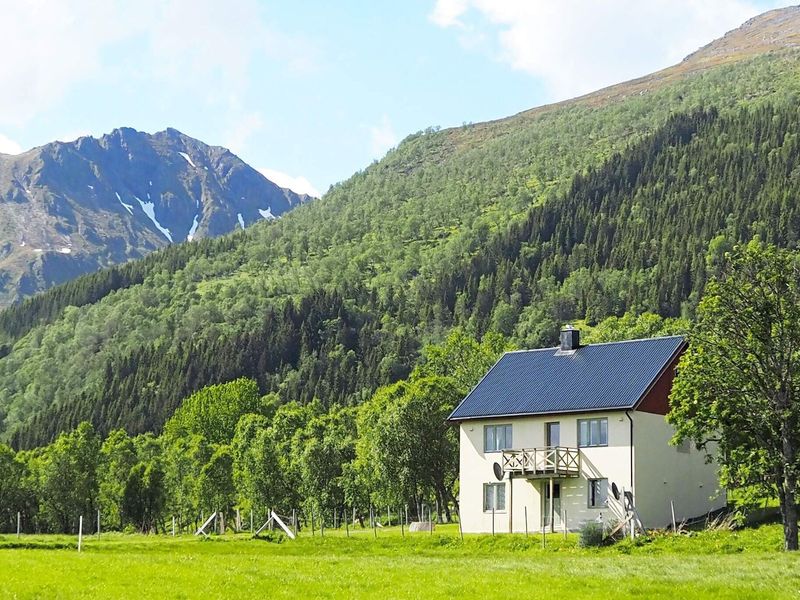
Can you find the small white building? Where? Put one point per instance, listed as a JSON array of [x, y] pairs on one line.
[[576, 424]]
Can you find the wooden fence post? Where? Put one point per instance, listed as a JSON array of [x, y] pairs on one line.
[[80, 532], [526, 521], [672, 509]]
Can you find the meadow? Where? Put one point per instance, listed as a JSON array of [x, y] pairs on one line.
[[712, 564]]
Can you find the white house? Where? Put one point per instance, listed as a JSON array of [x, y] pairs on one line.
[[577, 424]]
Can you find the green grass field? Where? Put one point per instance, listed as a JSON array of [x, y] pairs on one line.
[[743, 564]]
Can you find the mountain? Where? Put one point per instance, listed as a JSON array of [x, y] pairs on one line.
[[617, 202], [72, 208]]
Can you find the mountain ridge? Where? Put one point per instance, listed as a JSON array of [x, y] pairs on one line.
[[68, 208]]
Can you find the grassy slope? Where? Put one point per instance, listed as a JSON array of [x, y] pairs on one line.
[[421, 208], [746, 564]]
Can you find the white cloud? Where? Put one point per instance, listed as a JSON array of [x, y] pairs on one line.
[[242, 128], [180, 48], [300, 184], [382, 137], [447, 13], [578, 46], [9, 146]]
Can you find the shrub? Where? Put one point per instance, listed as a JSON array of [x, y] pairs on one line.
[[590, 535]]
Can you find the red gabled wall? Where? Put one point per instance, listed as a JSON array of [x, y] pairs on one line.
[[656, 401]]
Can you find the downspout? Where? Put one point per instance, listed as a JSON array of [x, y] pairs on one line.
[[628, 414]]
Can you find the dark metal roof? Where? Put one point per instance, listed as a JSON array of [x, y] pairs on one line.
[[608, 376]]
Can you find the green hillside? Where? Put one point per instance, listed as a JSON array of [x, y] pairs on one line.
[[576, 211]]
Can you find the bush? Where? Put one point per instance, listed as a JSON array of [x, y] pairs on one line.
[[590, 535]]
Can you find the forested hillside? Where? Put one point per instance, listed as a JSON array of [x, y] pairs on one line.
[[580, 211]]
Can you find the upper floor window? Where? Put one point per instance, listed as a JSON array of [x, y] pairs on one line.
[[496, 438], [553, 433], [592, 432]]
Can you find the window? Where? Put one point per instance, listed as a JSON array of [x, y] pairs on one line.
[[494, 496], [553, 433], [496, 438], [598, 493], [592, 432]]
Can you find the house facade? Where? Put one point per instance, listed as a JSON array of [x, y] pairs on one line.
[[548, 436]]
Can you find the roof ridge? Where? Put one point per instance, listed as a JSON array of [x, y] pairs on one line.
[[652, 339]]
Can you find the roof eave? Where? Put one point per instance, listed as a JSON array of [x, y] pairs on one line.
[[451, 419]]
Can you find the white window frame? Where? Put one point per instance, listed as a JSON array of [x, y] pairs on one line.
[[602, 488], [494, 488], [602, 424], [495, 446]]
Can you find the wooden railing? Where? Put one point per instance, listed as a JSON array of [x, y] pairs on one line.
[[559, 461]]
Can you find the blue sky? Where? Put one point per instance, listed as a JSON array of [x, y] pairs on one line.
[[311, 91]]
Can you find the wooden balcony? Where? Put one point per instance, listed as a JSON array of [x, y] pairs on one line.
[[552, 461]]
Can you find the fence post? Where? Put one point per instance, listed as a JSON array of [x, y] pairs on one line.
[[98, 522], [402, 527], [19, 519], [312, 522], [173, 525], [346, 526], [526, 521], [80, 532], [672, 508]]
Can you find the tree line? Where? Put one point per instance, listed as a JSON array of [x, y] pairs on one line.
[[229, 447]]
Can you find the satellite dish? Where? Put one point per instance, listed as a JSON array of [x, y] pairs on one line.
[[615, 490], [498, 471]]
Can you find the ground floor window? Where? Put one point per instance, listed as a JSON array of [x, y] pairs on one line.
[[598, 493], [494, 496]]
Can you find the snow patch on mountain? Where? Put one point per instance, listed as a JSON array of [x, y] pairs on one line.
[[267, 214], [150, 210], [193, 230], [241, 220], [188, 159], [129, 207]]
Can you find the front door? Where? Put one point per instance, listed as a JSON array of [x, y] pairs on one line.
[[547, 508], [553, 434]]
